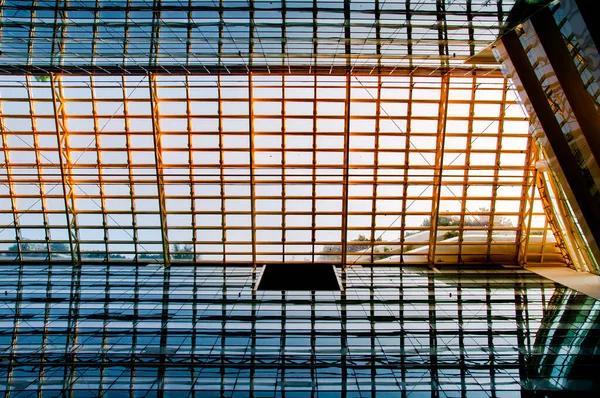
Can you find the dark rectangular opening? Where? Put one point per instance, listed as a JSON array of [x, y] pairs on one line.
[[299, 277]]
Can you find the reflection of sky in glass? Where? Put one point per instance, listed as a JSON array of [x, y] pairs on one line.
[[452, 332], [235, 34], [298, 157]]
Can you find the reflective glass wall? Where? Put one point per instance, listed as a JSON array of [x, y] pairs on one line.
[[202, 331]]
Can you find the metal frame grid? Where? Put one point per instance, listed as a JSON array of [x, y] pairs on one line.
[[391, 330], [227, 36], [268, 168]]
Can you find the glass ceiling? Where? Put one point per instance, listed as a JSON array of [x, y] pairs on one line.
[[167, 36], [254, 132], [269, 168]]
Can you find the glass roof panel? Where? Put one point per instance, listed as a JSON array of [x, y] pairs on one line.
[[268, 168]]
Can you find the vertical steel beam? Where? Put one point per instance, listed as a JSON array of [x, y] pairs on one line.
[[575, 180], [66, 168], [562, 64], [438, 167]]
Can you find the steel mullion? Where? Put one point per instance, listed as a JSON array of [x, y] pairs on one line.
[[438, 168]]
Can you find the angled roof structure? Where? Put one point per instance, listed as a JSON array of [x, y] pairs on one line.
[[158, 158]]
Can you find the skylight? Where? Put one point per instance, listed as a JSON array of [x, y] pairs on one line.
[[268, 169]]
